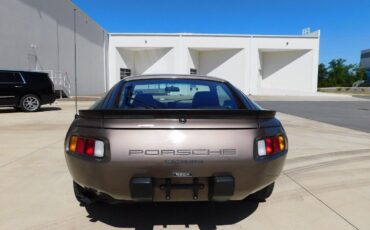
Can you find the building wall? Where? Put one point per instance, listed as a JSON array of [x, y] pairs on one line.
[[290, 70], [39, 35], [255, 64], [221, 63]]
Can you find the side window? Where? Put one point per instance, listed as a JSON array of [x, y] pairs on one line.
[[6, 77]]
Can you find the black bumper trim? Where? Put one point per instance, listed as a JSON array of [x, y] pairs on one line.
[[220, 188], [141, 188]]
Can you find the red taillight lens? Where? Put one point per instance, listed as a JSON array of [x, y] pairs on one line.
[[269, 147], [80, 148], [90, 146], [275, 143]]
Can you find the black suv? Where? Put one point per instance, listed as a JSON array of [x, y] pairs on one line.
[[25, 90]]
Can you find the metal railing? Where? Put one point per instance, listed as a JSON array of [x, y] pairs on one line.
[[61, 82]]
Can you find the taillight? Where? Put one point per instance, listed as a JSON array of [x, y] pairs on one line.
[[90, 147], [281, 142], [80, 148], [73, 143], [271, 145], [86, 146], [269, 148]]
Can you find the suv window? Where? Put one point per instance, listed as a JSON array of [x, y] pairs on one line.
[[18, 78], [6, 77], [10, 77]]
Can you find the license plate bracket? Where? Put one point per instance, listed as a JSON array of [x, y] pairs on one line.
[[196, 186]]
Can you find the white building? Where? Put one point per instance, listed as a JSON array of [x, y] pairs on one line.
[[60, 39], [257, 64]]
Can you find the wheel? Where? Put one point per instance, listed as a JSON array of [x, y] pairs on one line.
[[82, 195], [262, 194], [30, 103]]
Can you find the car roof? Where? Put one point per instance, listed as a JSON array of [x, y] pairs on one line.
[[173, 76], [22, 71]]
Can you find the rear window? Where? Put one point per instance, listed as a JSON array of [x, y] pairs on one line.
[[175, 94]]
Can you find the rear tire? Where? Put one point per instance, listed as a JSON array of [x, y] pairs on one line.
[[262, 194], [30, 103], [82, 195]]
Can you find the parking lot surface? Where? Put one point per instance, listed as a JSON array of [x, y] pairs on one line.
[[325, 183], [345, 111]]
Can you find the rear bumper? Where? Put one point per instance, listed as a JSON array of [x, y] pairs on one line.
[[48, 99], [228, 180]]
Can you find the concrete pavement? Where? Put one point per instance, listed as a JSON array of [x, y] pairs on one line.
[[325, 183]]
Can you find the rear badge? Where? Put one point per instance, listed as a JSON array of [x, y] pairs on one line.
[[181, 174]]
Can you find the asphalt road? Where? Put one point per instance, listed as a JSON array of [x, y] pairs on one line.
[[349, 114]]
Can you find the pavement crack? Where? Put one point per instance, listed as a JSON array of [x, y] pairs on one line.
[[319, 165], [321, 201], [326, 155]]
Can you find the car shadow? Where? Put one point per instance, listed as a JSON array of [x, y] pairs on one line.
[[144, 216], [42, 109]]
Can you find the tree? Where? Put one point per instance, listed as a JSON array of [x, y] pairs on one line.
[[360, 74], [339, 74], [323, 71]]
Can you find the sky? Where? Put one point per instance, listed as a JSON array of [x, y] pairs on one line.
[[344, 25]]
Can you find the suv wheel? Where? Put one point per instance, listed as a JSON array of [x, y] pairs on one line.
[[262, 194], [30, 103]]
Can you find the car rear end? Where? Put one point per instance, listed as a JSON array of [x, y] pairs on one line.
[[175, 154]]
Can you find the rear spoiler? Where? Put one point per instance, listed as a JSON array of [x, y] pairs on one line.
[[176, 113]]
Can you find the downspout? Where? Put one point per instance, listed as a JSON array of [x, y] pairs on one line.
[[104, 64], [250, 66]]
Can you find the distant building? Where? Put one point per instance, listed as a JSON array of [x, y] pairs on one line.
[[365, 62], [257, 64], [40, 35]]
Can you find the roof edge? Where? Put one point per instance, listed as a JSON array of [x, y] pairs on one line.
[[173, 76], [312, 35], [79, 10]]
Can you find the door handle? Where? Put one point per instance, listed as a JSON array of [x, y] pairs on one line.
[[18, 86]]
